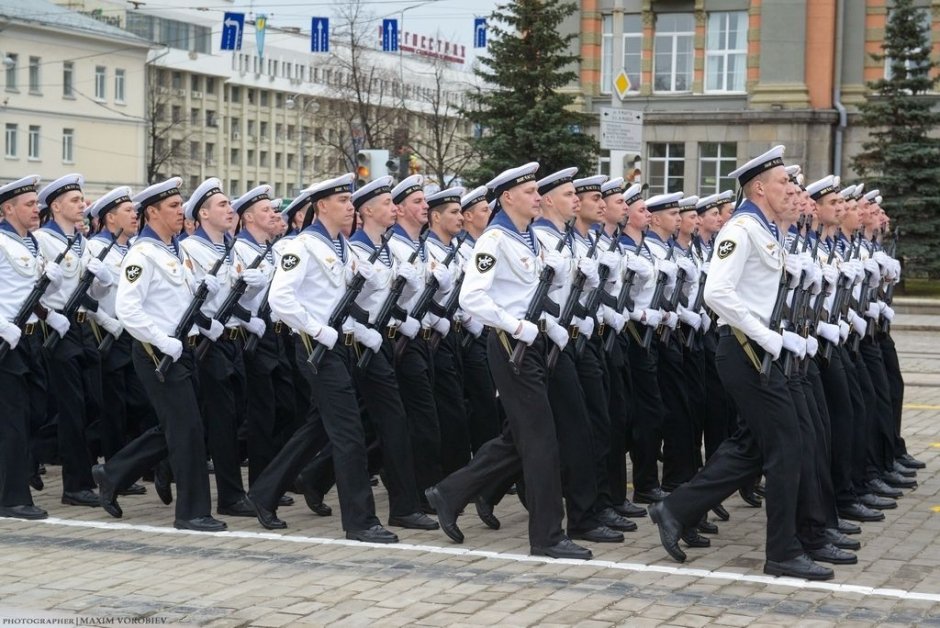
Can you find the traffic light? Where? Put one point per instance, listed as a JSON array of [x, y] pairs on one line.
[[370, 165], [391, 166]]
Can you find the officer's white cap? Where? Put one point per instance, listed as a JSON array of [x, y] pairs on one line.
[[663, 201], [492, 205], [555, 180], [60, 186], [763, 163], [469, 200], [20, 186], [589, 184], [252, 196], [378, 187], [276, 203], [450, 195], [300, 202], [339, 185], [613, 186], [207, 189], [878, 199], [109, 201], [871, 195], [827, 185], [509, 179], [688, 203], [407, 187], [633, 194], [709, 202], [157, 192], [859, 188]]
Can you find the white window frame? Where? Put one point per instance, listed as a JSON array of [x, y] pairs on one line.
[[35, 75], [120, 85], [34, 142], [68, 79], [717, 161], [101, 82], [68, 146], [674, 36], [666, 161], [723, 55], [10, 133], [11, 71], [607, 54]]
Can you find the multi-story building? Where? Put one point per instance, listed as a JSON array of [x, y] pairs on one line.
[[71, 97], [719, 81]]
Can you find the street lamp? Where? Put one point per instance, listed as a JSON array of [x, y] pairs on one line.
[[308, 105]]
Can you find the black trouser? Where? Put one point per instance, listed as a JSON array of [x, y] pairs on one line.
[[810, 510], [15, 412], [451, 410], [863, 406], [769, 435], [816, 398], [884, 424], [693, 368], [621, 420], [530, 440], [126, 400], [595, 382], [480, 393], [889, 357], [415, 375], [648, 422], [842, 424], [720, 416], [179, 435], [679, 444], [334, 418]]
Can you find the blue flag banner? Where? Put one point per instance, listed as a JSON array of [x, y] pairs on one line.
[[390, 35], [232, 26], [261, 25], [479, 32], [320, 34]]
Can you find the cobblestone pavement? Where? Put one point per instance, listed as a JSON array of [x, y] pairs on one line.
[[81, 566]]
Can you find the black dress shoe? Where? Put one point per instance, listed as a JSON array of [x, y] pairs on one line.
[[414, 521], [106, 497], [800, 567], [84, 497], [133, 489], [564, 548], [878, 487], [241, 508], [721, 512], [286, 500], [897, 480], [860, 512], [693, 539], [750, 497], [36, 482], [849, 528], [27, 511], [266, 518], [901, 470], [485, 513], [911, 462], [315, 503], [612, 520], [600, 534], [446, 513], [829, 553], [41, 468], [427, 508], [375, 534], [629, 509], [669, 530], [873, 502], [161, 481], [706, 527], [841, 541], [200, 524], [650, 497], [760, 490]]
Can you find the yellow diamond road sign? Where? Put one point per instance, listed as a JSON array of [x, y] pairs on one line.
[[622, 84]]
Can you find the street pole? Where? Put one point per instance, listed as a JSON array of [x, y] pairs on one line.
[[616, 65]]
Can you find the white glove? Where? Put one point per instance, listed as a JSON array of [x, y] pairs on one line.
[[111, 325], [639, 266], [795, 344], [588, 266], [859, 271], [212, 283], [326, 336], [445, 280], [368, 337], [873, 311], [895, 271], [473, 326], [668, 268], [11, 333], [171, 347], [255, 326], [706, 322], [828, 331], [812, 280], [558, 262], [101, 272], [794, 266], [691, 270], [849, 270], [887, 312], [615, 320], [858, 323], [215, 330], [882, 258], [441, 326], [652, 318], [412, 276], [705, 267], [872, 272], [670, 320], [410, 327], [527, 332], [812, 346], [54, 273], [556, 333], [254, 278], [58, 322], [831, 275], [843, 330], [610, 259], [690, 318], [774, 344], [585, 326]]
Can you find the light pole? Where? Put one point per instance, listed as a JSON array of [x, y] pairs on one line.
[[308, 105]]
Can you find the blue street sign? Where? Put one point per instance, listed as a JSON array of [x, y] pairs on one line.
[[320, 34], [390, 35], [479, 32], [232, 26]]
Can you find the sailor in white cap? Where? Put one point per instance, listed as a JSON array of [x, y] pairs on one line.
[[499, 284], [154, 291], [312, 278], [747, 266], [21, 364], [74, 366]]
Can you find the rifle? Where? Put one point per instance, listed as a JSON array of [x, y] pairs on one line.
[[346, 303], [450, 308], [264, 313], [889, 291], [572, 304], [656, 302], [699, 296], [797, 298], [32, 299], [192, 313], [231, 306], [864, 298], [390, 305], [540, 301], [624, 302], [776, 315], [805, 316], [79, 296], [598, 295], [665, 332]]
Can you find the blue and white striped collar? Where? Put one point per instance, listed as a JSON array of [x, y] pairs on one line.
[[339, 244], [399, 233], [147, 233], [29, 241], [749, 208], [361, 239], [502, 222]]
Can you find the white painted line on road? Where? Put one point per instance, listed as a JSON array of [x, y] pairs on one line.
[[795, 583]]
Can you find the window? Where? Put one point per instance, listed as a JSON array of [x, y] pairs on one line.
[[210, 85], [33, 141], [666, 163], [233, 187], [194, 150], [726, 51], [234, 158], [250, 159], [672, 53], [263, 159], [177, 113], [235, 94], [632, 47], [34, 85], [100, 78], [210, 154], [278, 160], [251, 96], [176, 80], [279, 131], [194, 82], [250, 129], [119, 85], [235, 127], [264, 98], [264, 129], [176, 148], [194, 116], [715, 163], [11, 71], [68, 73], [10, 140], [68, 145]]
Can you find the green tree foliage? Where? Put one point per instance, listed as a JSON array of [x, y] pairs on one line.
[[523, 114], [901, 158]]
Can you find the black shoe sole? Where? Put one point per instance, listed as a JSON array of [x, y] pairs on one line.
[[74, 502], [398, 523], [537, 551], [675, 552], [774, 571]]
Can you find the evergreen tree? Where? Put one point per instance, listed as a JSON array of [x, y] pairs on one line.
[[522, 112], [900, 158]]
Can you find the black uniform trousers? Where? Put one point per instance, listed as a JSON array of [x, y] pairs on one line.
[[648, 417], [482, 409], [884, 425], [693, 368], [179, 435], [333, 417], [843, 424], [816, 398], [16, 400], [449, 401], [620, 407], [863, 406], [529, 439], [889, 356], [810, 511], [766, 441], [679, 442], [415, 374], [720, 415], [127, 409], [595, 382]]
